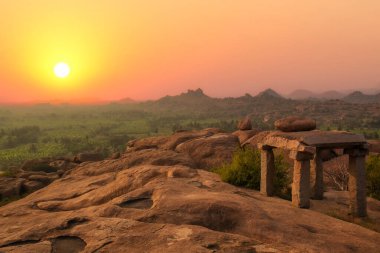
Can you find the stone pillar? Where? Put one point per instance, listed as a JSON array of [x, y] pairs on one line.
[[357, 182], [316, 176], [267, 171], [301, 179]]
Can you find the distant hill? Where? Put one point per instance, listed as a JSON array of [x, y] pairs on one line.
[[190, 100], [266, 107], [196, 102], [306, 94], [302, 94], [331, 94], [268, 93], [186, 97], [358, 97], [125, 101]]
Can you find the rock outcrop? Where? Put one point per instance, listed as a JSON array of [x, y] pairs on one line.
[[154, 198], [203, 149], [88, 157], [245, 124], [120, 205], [206, 148], [32, 176], [245, 135], [210, 152]]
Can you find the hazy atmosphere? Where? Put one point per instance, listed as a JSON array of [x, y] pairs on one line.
[[148, 49], [207, 126]]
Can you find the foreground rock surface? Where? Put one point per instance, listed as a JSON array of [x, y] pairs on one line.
[[156, 200]]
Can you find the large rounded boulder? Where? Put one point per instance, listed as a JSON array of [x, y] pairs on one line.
[[245, 124], [295, 124]]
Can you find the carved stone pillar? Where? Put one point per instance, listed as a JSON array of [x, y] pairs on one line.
[[357, 182], [316, 176], [267, 171], [301, 179]]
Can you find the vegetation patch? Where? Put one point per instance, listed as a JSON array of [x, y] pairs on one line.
[[245, 169], [373, 176]]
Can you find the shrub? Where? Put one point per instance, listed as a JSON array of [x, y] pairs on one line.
[[245, 169], [373, 176]]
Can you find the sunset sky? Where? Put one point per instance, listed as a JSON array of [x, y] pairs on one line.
[[148, 49]]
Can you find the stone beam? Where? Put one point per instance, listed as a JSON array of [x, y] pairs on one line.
[[288, 144]]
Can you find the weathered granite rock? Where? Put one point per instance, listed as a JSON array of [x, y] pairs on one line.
[[88, 157], [63, 165], [256, 139], [115, 155], [157, 200], [295, 124], [32, 186], [45, 179], [152, 208], [245, 124], [209, 152], [170, 142], [10, 187], [206, 148], [38, 173], [41, 164], [130, 159], [245, 135]]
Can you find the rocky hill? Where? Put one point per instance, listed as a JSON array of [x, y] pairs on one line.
[[306, 94], [269, 105], [358, 97], [159, 197]]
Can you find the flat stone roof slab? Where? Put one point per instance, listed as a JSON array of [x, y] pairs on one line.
[[304, 141]]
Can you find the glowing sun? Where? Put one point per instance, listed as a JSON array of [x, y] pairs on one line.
[[61, 70]]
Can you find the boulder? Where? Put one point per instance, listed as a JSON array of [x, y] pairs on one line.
[[295, 124], [10, 187], [146, 143], [88, 157], [115, 155], [42, 164], [63, 165], [245, 124], [256, 139], [32, 186], [245, 135]]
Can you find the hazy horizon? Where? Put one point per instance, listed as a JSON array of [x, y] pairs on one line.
[[146, 51]]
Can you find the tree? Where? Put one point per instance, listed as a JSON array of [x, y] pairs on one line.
[[337, 172]]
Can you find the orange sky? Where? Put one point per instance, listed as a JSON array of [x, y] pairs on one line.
[[147, 49]]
